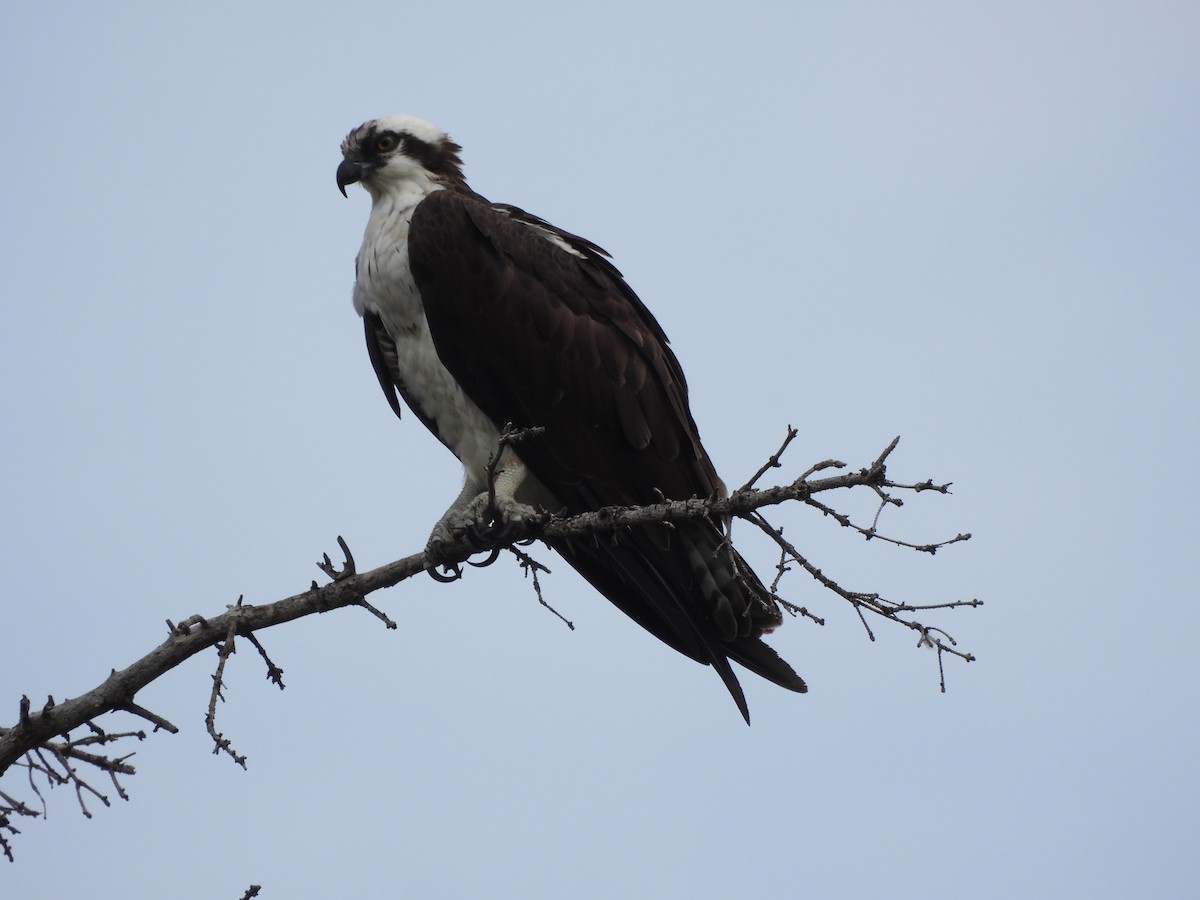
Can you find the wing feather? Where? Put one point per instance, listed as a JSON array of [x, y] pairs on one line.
[[382, 350]]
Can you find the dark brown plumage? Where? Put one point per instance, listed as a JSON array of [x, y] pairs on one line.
[[538, 336], [537, 328]]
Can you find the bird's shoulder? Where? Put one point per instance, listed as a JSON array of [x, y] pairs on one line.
[[464, 231], [457, 214]]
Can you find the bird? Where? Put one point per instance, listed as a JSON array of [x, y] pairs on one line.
[[483, 317]]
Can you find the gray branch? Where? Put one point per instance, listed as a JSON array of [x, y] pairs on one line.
[[39, 732]]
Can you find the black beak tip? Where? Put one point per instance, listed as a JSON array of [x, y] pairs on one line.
[[348, 172]]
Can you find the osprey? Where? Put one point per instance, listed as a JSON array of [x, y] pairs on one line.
[[480, 315]]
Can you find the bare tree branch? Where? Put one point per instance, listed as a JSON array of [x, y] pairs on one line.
[[40, 740]]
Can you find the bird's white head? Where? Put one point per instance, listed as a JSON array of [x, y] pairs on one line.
[[397, 154]]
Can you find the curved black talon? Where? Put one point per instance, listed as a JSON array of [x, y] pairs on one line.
[[491, 558], [435, 556], [454, 571]]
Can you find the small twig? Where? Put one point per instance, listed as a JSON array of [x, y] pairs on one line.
[[274, 673], [773, 462], [926, 485], [819, 467], [117, 785], [11, 806], [348, 569], [795, 610], [29, 767], [222, 743], [872, 533], [532, 567], [885, 500], [17, 806], [378, 613], [113, 766], [781, 569], [785, 545], [878, 465], [153, 718], [80, 787]]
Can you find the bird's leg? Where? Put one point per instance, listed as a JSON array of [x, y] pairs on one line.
[[484, 516], [505, 484], [496, 513], [453, 524]]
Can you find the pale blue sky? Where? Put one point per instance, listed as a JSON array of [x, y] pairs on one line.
[[974, 226]]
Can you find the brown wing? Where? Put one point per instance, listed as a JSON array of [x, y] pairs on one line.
[[539, 336]]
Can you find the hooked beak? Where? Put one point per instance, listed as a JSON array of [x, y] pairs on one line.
[[348, 172]]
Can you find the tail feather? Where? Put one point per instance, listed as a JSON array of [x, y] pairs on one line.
[[761, 659], [695, 593]]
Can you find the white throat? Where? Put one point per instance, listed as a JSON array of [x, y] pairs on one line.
[[385, 286]]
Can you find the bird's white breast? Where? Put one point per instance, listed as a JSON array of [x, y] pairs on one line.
[[384, 285]]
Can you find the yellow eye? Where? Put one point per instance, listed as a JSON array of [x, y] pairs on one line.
[[385, 143]]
